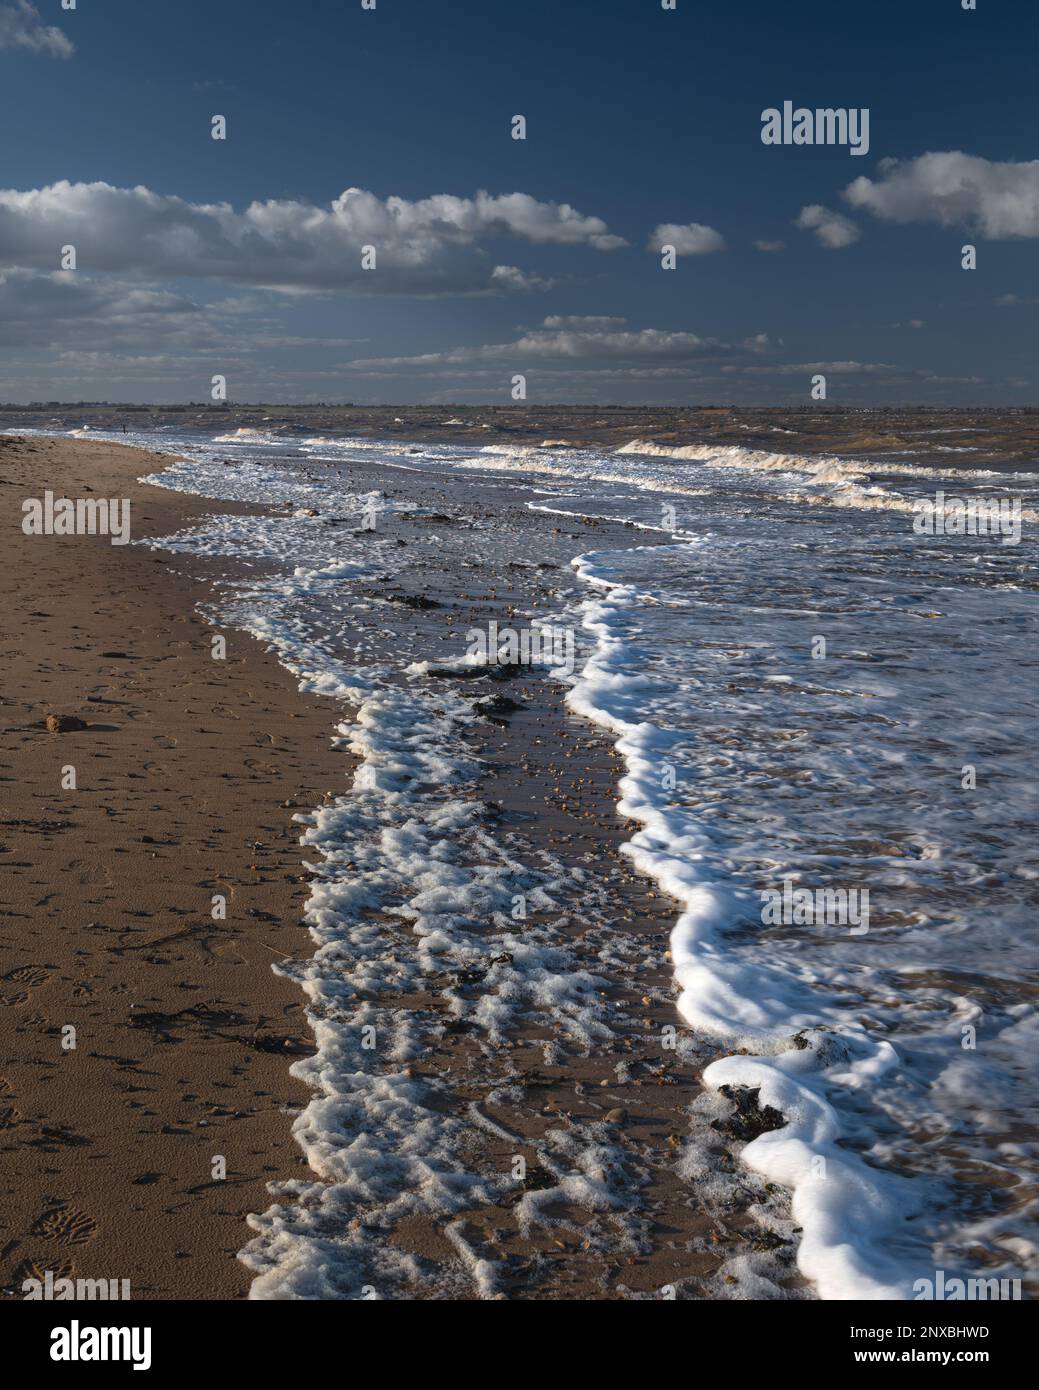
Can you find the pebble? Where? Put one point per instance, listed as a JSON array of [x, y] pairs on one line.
[[64, 723]]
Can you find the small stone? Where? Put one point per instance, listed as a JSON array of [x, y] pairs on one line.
[[616, 1117], [64, 723]]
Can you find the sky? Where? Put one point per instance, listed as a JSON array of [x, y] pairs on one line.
[[140, 257]]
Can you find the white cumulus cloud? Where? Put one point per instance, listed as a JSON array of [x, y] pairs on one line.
[[832, 229], [688, 239], [998, 200], [22, 26]]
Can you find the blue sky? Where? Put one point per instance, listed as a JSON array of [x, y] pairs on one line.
[[241, 257]]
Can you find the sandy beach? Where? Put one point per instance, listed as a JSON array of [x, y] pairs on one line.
[[185, 772]]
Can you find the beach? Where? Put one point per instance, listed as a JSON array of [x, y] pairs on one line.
[[413, 943], [188, 774]]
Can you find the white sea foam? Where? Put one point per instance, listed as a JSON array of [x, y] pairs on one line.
[[824, 469], [247, 434], [411, 889]]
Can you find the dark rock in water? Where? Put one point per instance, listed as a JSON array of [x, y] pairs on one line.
[[495, 706], [539, 1179], [418, 601], [459, 673], [765, 1241], [456, 1026], [829, 1049], [64, 723], [500, 672], [750, 1118]]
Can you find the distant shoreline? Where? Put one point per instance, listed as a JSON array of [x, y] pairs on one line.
[[1000, 438]]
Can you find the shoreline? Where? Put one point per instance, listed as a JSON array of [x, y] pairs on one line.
[[201, 1060]]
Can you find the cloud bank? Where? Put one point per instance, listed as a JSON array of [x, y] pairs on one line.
[[430, 246], [570, 338]]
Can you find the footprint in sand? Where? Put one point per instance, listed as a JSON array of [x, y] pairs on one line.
[[90, 872], [25, 978], [10, 1118], [37, 1269], [30, 975], [65, 1222]]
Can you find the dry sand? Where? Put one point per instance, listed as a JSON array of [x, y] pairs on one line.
[[182, 1028]]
